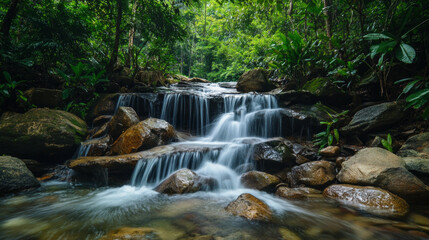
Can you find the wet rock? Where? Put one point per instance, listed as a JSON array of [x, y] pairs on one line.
[[260, 181], [98, 146], [296, 193], [42, 134], [316, 174], [364, 167], [249, 207], [273, 154], [44, 97], [328, 92], [375, 117], [144, 135], [255, 80], [370, 199], [330, 151], [101, 120], [293, 96], [128, 233], [150, 78], [182, 181], [105, 105], [339, 162], [124, 118], [402, 183], [288, 234], [15, 176], [415, 153]]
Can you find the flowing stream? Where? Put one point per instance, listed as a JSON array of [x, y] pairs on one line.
[[219, 118]]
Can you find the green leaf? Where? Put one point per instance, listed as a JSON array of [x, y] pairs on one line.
[[417, 95], [389, 139], [337, 135], [405, 53], [330, 139], [387, 46], [66, 93], [376, 36], [7, 76], [403, 80], [410, 86]]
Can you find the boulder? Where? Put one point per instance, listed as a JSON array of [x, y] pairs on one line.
[[326, 91], [41, 134], [366, 165], [296, 193], [260, 181], [249, 207], [98, 146], [182, 181], [255, 80], [296, 97], [104, 105], [150, 78], [124, 118], [101, 120], [273, 154], [144, 135], [15, 176], [377, 117], [415, 153], [44, 97], [330, 151], [129, 233], [370, 199], [315, 174]]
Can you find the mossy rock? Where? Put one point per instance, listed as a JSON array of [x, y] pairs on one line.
[[42, 134], [15, 176], [328, 93]]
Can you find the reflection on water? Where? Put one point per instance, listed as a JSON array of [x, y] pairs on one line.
[[60, 211]]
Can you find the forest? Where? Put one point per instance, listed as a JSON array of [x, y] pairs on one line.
[[214, 119]]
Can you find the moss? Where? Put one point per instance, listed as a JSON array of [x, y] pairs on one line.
[[315, 85]]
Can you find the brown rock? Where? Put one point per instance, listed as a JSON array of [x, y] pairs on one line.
[[255, 80], [150, 78], [330, 151], [260, 181], [250, 207], [296, 193], [105, 105], [136, 138], [182, 181], [101, 131], [316, 174], [124, 118], [128, 233], [162, 129], [101, 120], [370, 199], [98, 146], [44, 97]]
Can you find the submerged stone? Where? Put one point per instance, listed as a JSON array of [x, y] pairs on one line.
[[129, 233], [296, 193]]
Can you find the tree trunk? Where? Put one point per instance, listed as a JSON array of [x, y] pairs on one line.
[[8, 18], [131, 36], [327, 12], [115, 49]]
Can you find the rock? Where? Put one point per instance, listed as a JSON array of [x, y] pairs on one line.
[[182, 181], [124, 118], [104, 105], [370, 199], [288, 234], [255, 80], [328, 92], [402, 183], [144, 135], [273, 154], [296, 97], [150, 78], [316, 174], [101, 120], [15, 176], [44, 97], [296, 193], [98, 146], [364, 167], [377, 117], [415, 153], [201, 80], [330, 151], [128, 233], [260, 181], [42, 134], [101, 131], [249, 207]]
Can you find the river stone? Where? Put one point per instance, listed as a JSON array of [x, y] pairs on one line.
[[375, 117], [162, 129], [182, 181], [44, 97], [101, 120], [15, 176], [330, 151], [315, 174], [366, 165], [273, 154], [296, 193], [42, 134], [370, 199], [255, 80], [134, 139], [99, 146], [124, 118], [250, 207], [104, 105], [415, 153], [260, 181], [129, 233]]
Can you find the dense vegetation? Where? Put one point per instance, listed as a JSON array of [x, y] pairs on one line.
[[78, 45]]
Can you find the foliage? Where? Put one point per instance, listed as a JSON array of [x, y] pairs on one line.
[[327, 137], [387, 143], [9, 90], [417, 90]]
